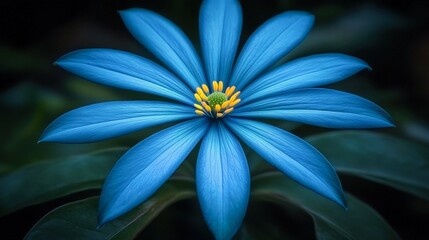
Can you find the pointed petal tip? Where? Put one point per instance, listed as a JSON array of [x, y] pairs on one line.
[[352, 60], [128, 10], [102, 219], [369, 68], [388, 121], [124, 12], [57, 63], [100, 224], [64, 58], [365, 65], [42, 138], [343, 202], [339, 199]]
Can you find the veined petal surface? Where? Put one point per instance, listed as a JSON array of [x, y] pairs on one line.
[[311, 71], [291, 155], [321, 107], [125, 70], [167, 42], [111, 119], [146, 166], [220, 28], [270, 42], [223, 181]]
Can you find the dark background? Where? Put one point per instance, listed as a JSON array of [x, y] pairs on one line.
[[392, 36]]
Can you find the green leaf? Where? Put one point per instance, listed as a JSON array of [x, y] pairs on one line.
[[48, 180], [332, 222], [78, 220], [378, 157]]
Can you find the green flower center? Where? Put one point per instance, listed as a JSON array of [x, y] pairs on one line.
[[216, 98]]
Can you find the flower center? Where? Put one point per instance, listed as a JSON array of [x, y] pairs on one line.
[[215, 103], [216, 98]]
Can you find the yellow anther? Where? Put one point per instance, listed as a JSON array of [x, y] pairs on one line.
[[205, 88], [217, 108], [202, 94], [220, 86], [221, 102], [199, 112], [225, 104], [207, 107], [230, 91], [236, 94], [232, 99], [197, 97], [215, 86], [198, 106], [234, 103], [228, 110]]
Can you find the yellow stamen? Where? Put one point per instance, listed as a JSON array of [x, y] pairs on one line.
[[221, 102], [228, 110], [198, 106], [199, 112], [197, 97], [220, 87], [232, 99], [230, 91], [225, 104], [236, 94], [205, 88], [202, 94], [207, 107], [234, 103], [217, 108], [215, 86]]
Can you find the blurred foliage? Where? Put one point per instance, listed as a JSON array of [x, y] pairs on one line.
[[391, 36]]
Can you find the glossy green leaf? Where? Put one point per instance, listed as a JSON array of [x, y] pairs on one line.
[[48, 180], [78, 220], [332, 222], [378, 157]]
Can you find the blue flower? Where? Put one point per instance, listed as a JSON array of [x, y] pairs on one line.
[[215, 100]]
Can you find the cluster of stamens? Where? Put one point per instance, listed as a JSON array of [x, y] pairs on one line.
[[217, 103]]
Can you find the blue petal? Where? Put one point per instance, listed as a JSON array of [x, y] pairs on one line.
[[220, 28], [270, 42], [111, 119], [167, 42], [320, 107], [291, 155], [125, 70], [146, 166], [305, 72], [223, 181]]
